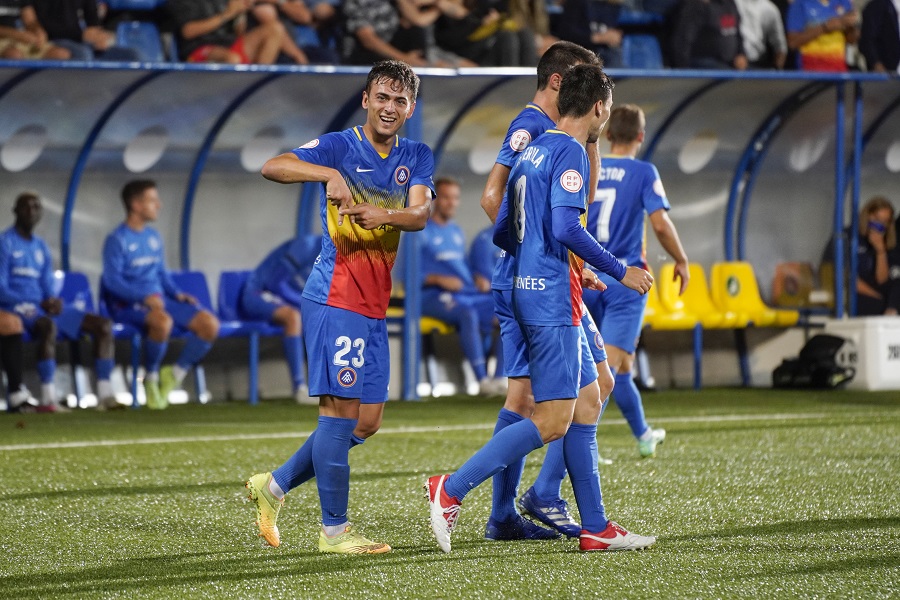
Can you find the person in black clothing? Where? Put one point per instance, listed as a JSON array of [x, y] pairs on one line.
[[879, 40], [75, 25], [592, 24], [707, 35]]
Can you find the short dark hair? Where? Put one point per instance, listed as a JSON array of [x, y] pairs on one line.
[[559, 58], [135, 189], [25, 197], [626, 122], [398, 73], [444, 180], [582, 87]]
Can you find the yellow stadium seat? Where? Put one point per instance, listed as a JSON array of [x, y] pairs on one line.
[[658, 316], [696, 299], [734, 288]]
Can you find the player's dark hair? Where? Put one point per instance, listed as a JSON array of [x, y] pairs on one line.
[[25, 197], [559, 58], [582, 87], [444, 181], [626, 122], [398, 73], [135, 189]]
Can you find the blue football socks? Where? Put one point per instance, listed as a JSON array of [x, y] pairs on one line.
[[580, 449], [153, 354], [46, 370], [628, 399], [512, 443], [506, 482], [330, 460], [553, 471], [194, 350], [293, 352]]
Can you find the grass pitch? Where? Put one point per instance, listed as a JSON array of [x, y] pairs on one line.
[[756, 493]]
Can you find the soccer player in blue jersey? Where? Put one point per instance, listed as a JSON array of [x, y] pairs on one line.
[[628, 189], [374, 185], [449, 292], [483, 257], [543, 500], [27, 291], [139, 291], [546, 204], [272, 293]]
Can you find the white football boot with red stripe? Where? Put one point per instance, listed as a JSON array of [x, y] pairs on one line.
[[614, 537]]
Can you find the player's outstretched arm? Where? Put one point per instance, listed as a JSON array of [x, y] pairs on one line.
[[668, 238], [492, 196], [412, 218], [287, 168]]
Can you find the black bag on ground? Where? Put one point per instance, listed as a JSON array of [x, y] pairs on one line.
[[818, 366]]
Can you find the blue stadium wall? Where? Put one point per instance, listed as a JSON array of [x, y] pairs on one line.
[[761, 167]]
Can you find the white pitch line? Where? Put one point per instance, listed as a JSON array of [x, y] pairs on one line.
[[385, 431]]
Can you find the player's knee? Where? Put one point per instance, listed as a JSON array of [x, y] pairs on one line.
[[206, 326], [367, 427], [159, 324], [12, 53], [289, 319], [10, 324], [233, 58], [607, 382]]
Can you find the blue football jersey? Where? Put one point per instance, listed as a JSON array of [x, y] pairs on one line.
[[291, 263], [134, 265], [527, 126], [354, 267], [627, 189], [552, 172], [483, 254], [444, 252], [26, 270]]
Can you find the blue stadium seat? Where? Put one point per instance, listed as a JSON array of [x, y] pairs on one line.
[[142, 36], [231, 286], [641, 51]]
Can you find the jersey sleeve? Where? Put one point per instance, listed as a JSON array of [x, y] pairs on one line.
[[795, 21], [423, 174], [522, 131], [653, 194], [47, 279], [6, 295], [326, 150], [569, 177]]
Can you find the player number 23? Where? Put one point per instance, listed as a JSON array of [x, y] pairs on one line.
[[345, 345]]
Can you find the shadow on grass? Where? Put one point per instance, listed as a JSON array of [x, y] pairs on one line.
[[198, 568], [783, 528]]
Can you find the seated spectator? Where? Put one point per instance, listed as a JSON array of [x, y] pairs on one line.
[[27, 293], [879, 40], [762, 31], [272, 293], [380, 29], [819, 30], [449, 292], [293, 13], [139, 291], [533, 24], [707, 35], [215, 31], [877, 292], [75, 25], [476, 31], [30, 43], [483, 257], [593, 24]]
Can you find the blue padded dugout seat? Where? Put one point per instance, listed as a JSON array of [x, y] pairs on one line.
[[231, 286], [641, 51]]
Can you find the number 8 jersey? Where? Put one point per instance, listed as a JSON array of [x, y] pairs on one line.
[[551, 172]]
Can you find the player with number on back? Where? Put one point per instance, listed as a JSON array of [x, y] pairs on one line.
[[628, 188], [374, 185], [546, 202]]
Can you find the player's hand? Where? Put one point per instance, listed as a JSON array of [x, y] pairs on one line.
[[590, 281], [154, 302], [482, 284], [337, 192], [450, 283], [740, 62], [182, 297], [52, 306], [682, 272], [637, 279], [364, 214], [876, 240]]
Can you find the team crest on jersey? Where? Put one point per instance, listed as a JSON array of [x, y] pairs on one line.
[[311, 144], [346, 377], [598, 340], [401, 175], [571, 181], [519, 140]]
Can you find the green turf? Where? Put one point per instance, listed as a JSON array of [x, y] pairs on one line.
[[755, 493]]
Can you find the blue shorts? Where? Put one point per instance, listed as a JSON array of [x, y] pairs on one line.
[[68, 322], [595, 340], [619, 311], [556, 354], [182, 313], [515, 355], [451, 307], [347, 353], [259, 305]]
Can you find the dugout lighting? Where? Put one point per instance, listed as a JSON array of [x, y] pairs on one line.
[[807, 151], [264, 145], [145, 149], [698, 151], [892, 158], [23, 148]]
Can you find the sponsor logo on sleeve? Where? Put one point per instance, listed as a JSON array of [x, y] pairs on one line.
[[658, 188]]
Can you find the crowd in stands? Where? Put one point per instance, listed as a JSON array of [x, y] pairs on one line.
[[814, 35]]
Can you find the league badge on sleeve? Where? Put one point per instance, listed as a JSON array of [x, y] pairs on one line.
[[519, 140], [571, 181], [311, 144]]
